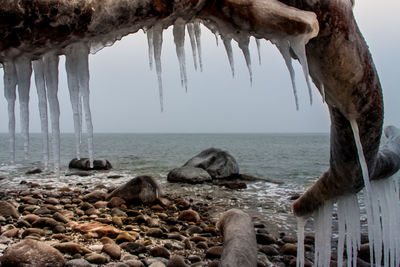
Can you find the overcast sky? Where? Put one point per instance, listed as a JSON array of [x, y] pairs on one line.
[[124, 92]]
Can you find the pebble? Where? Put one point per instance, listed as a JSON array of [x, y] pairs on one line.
[[96, 258], [160, 252], [189, 216]]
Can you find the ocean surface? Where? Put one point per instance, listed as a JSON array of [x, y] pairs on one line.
[[296, 160]]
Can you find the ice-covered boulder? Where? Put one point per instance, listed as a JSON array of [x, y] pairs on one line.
[[142, 189], [188, 174], [218, 163], [84, 164]]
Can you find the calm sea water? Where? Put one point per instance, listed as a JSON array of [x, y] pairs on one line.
[[294, 159]]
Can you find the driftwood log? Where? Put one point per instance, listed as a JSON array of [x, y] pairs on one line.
[[339, 61]]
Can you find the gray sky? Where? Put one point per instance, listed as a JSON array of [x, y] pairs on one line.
[[124, 92]]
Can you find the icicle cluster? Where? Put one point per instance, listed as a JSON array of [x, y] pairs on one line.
[[382, 203], [17, 74]]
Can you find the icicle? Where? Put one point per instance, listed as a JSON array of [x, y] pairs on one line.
[[216, 38], [77, 64], [322, 87], [10, 83], [301, 222], [372, 227], [190, 29], [157, 40], [150, 47], [197, 34], [349, 228], [71, 63], [228, 47], [23, 68], [244, 46], [179, 39], [38, 68], [51, 75], [258, 50], [283, 47], [300, 50], [323, 231]]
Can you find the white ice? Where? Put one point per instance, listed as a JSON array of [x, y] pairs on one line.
[[51, 76], [298, 46], [150, 47], [77, 66], [38, 68], [284, 48], [157, 42], [228, 47], [301, 222], [258, 43], [179, 39], [243, 42], [197, 35], [190, 29], [23, 69], [323, 232], [10, 84], [349, 229]]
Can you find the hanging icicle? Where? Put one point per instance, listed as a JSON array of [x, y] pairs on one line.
[[301, 223], [258, 43], [190, 29], [77, 66], [71, 62], [228, 47], [197, 34], [23, 69], [323, 232], [50, 61], [179, 39], [10, 84], [150, 47], [299, 48], [284, 49], [157, 41], [38, 68], [243, 42]]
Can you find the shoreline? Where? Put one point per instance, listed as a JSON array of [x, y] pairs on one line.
[[156, 229]]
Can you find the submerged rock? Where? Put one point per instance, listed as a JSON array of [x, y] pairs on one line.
[[189, 174], [84, 164], [32, 253], [142, 189], [218, 163]]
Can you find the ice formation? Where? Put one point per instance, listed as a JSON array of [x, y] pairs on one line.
[[190, 29], [228, 47], [150, 46], [10, 83], [179, 39], [323, 232], [243, 42], [301, 223], [258, 43], [38, 69], [157, 44]]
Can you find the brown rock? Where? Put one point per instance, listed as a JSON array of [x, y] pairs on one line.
[[289, 249], [125, 237], [12, 233], [42, 222], [97, 195], [32, 253], [100, 229], [214, 252], [160, 252], [115, 202], [96, 258], [155, 232], [71, 248], [176, 261], [113, 250], [189, 216], [269, 250], [6, 209], [33, 231]]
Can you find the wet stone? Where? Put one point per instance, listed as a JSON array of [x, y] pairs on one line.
[[113, 250], [189, 216], [289, 249], [269, 250], [176, 261], [96, 258], [265, 239], [155, 232], [78, 263], [33, 231], [124, 237], [133, 248], [214, 252]]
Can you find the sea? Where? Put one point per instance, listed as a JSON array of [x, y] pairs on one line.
[[295, 161]]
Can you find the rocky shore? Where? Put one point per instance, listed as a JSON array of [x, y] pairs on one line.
[[45, 226]]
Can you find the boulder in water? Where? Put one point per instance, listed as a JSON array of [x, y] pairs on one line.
[[29, 252], [142, 189], [218, 163], [188, 174], [84, 164]]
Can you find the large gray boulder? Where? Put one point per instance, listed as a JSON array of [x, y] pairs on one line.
[[29, 252], [218, 163], [142, 189], [84, 164], [189, 175]]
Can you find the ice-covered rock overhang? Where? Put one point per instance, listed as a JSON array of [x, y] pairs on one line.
[[321, 34]]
